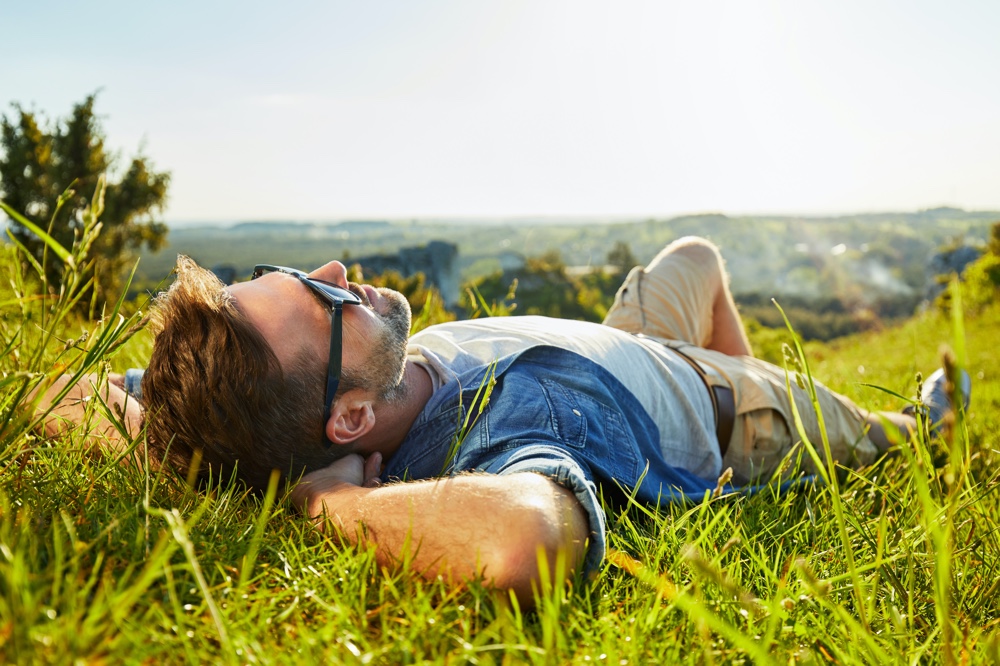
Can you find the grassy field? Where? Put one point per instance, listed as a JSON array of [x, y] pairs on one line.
[[107, 563]]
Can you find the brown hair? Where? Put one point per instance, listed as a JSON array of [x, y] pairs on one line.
[[214, 385]]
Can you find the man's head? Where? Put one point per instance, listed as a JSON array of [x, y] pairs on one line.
[[239, 373]]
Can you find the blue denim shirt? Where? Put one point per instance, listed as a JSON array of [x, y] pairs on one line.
[[556, 413]]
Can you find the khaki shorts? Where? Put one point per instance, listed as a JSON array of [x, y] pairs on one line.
[[671, 299]]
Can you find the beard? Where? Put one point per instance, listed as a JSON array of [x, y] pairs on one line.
[[383, 372]]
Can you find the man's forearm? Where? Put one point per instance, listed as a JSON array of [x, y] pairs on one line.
[[461, 527], [72, 410]]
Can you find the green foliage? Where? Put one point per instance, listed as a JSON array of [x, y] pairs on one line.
[[982, 282], [425, 302], [767, 342], [620, 256], [994, 241], [35, 354], [479, 307], [37, 164], [981, 279], [824, 318], [545, 287]]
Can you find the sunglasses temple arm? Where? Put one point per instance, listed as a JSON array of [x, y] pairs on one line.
[[333, 373]]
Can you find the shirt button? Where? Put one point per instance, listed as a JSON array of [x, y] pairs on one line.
[[577, 412]]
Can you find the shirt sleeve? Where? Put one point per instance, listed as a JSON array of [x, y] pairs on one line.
[[558, 465], [133, 382]]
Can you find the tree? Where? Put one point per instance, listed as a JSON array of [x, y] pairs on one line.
[[994, 242], [37, 164], [620, 256]]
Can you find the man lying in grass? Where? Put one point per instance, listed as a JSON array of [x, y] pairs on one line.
[[307, 373]]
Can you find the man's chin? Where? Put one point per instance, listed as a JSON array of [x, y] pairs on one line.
[[396, 317], [393, 306]]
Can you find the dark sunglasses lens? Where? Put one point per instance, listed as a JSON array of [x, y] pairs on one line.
[[263, 269], [339, 293], [332, 291]]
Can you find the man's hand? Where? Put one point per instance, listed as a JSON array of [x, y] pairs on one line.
[[352, 469], [315, 492], [461, 528]]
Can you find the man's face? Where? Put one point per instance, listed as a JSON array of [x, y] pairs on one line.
[[297, 325]]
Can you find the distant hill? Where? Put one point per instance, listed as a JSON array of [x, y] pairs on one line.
[[863, 256]]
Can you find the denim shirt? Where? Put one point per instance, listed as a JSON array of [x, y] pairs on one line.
[[556, 413]]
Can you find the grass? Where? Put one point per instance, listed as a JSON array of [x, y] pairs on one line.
[[102, 562]]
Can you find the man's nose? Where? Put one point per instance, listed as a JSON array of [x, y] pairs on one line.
[[333, 272]]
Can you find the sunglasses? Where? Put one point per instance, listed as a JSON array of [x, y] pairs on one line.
[[335, 298]]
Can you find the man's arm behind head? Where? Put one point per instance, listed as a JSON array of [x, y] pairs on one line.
[[79, 407]]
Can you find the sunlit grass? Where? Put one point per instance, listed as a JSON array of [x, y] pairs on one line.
[[899, 563]]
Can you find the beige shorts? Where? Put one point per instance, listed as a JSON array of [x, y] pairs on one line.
[[671, 299]]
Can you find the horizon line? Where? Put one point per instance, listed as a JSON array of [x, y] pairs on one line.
[[623, 217]]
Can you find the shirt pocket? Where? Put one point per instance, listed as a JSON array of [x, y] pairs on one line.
[[596, 430]]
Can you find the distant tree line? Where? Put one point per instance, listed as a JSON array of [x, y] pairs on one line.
[[825, 317]]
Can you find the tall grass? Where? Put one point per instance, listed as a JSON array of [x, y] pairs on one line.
[[104, 562], [43, 335]]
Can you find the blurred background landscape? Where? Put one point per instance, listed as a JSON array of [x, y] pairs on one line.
[[845, 274]]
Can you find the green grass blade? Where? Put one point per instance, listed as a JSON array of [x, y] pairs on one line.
[[51, 242]]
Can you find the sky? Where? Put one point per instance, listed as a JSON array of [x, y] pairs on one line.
[[460, 108]]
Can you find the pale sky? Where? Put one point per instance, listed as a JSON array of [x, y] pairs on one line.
[[408, 108]]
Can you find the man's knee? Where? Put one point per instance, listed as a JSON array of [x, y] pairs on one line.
[[697, 249], [700, 252]]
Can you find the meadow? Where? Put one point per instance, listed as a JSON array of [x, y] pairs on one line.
[[107, 562]]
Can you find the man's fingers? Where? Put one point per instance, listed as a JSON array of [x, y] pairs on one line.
[[349, 469], [308, 493], [373, 467]]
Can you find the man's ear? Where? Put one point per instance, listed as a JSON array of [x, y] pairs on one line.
[[352, 417]]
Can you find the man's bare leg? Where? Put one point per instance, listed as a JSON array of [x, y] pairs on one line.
[[728, 334], [900, 428]]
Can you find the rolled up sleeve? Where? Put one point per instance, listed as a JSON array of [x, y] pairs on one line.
[[558, 465]]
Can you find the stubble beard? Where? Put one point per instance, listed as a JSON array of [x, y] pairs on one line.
[[387, 365]]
